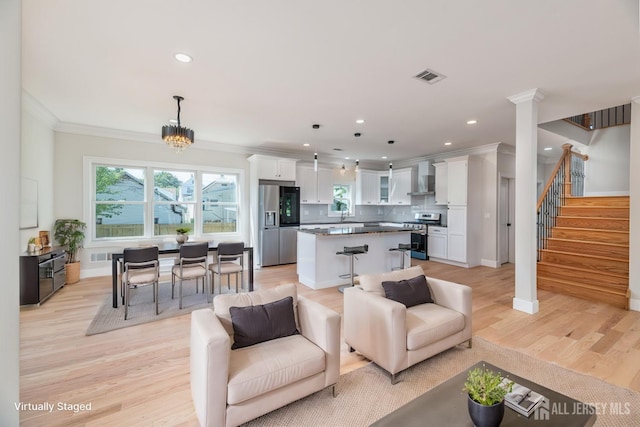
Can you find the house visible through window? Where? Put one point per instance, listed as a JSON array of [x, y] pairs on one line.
[[126, 206]]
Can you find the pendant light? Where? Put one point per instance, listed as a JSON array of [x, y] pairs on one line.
[[390, 170], [315, 162], [357, 168], [343, 170], [177, 137]]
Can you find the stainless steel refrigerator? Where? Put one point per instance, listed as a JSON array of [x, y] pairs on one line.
[[279, 215]]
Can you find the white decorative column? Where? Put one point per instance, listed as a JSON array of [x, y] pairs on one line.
[[634, 208], [526, 298]]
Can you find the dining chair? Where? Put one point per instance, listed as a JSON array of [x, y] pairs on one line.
[[141, 268], [230, 261], [192, 265]]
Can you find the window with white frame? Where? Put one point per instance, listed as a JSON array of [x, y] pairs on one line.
[[149, 201], [342, 200]]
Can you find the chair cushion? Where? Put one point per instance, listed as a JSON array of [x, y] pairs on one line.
[[222, 302], [373, 282], [226, 268], [259, 323], [261, 368], [409, 292], [428, 323], [140, 276], [189, 271]]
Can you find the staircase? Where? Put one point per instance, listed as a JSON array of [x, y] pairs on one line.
[[587, 250]]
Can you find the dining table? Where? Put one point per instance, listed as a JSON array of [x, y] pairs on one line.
[[117, 266]]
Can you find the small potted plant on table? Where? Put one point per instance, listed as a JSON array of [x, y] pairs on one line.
[[70, 234], [181, 235], [486, 390]]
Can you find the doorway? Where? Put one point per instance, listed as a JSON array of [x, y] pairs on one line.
[[506, 226]]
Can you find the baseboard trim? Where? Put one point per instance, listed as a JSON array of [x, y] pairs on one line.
[[489, 263], [530, 307]]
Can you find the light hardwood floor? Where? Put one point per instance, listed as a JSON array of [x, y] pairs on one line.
[[140, 375]]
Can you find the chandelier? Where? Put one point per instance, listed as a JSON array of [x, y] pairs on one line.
[[177, 137]]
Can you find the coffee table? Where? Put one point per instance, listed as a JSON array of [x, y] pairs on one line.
[[446, 405]]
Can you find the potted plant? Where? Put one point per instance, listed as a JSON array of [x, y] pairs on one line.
[[486, 390], [181, 234], [70, 234], [31, 245]]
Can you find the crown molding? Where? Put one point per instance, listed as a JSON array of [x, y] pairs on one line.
[[32, 106], [529, 95]]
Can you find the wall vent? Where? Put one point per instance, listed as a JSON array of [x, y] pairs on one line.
[[100, 256], [430, 76]]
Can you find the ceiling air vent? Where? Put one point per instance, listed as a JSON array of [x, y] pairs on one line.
[[430, 76]]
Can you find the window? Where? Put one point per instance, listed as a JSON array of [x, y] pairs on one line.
[[342, 200], [119, 202], [173, 201], [219, 203], [132, 201]]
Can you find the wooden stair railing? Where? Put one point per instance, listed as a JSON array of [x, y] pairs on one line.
[[608, 117], [566, 179]]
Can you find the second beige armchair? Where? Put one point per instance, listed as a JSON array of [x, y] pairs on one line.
[[396, 337]]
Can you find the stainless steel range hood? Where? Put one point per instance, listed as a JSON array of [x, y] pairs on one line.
[[423, 179]]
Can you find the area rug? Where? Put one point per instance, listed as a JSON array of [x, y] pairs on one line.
[[366, 394], [142, 308]]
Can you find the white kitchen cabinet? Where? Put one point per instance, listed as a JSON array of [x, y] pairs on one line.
[[384, 191], [325, 186], [457, 181], [306, 180], [457, 234], [441, 196], [400, 187], [367, 187], [437, 242], [275, 168], [315, 187]]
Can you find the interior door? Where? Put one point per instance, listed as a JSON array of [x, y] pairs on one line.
[[506, 237]]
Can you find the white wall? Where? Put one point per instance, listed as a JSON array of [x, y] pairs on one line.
[[69, 201], [37, 162], [10, 82], [607, 170]]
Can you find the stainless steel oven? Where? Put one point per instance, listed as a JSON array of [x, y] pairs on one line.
[[419, 233]]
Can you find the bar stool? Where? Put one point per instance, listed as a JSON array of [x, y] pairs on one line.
[[403, 248], [351, 251]]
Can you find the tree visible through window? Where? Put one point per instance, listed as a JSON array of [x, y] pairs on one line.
[[342, 200]]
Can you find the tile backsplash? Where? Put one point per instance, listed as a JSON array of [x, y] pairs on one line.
[[318, 213]]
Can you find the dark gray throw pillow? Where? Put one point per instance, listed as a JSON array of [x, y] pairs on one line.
[[258, 323], [409, 292]]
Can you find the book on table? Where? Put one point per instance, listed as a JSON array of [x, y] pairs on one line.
[[523, 400]]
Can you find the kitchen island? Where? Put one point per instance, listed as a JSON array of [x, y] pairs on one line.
[[319, 267]]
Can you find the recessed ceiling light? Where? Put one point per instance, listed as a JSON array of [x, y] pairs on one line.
[[547, 148], [306, 144], [360, 121], [384, 157], [447, 143], [472, 122], [183, 57], [174, 121], [346, 158]]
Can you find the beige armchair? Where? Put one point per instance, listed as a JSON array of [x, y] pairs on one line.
[[230, 387], [396, 337]]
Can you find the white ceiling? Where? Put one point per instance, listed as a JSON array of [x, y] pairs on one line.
[[265, 71]]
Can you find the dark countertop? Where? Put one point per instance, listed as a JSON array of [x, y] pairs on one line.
[[353, 230]]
